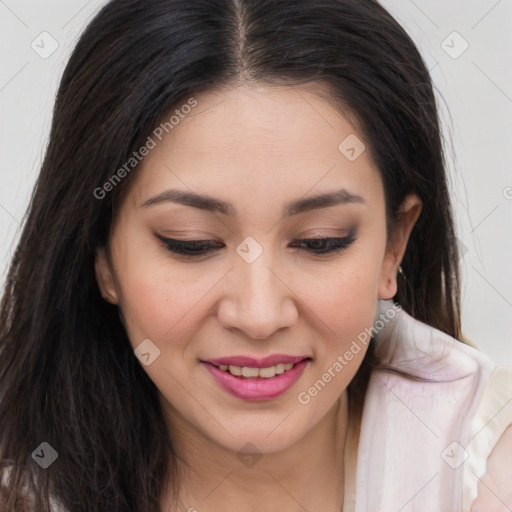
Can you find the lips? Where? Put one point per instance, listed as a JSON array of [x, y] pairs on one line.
[[257, 378]]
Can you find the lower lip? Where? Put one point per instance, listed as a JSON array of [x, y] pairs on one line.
[[257, 388]]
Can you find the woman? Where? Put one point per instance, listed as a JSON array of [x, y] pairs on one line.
[[237, 284]]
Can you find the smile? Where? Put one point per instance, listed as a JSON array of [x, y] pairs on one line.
[[257, 380]]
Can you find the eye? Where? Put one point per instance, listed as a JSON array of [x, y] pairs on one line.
[[317, 246], [327, 245], [189, 247]]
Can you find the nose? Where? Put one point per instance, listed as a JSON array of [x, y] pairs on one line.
[[259, 301]]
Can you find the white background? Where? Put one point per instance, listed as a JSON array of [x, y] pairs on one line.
[[474, 92]]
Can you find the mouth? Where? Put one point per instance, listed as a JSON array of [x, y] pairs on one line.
[[252, 379]]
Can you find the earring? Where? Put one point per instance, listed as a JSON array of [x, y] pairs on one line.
[[400, 270]]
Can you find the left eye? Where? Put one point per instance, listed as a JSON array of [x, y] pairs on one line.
[[330, 244], [201, 247]]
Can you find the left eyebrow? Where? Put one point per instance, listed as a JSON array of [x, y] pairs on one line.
[[207, 203], [342, 196]]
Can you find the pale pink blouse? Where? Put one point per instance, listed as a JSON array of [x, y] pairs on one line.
[[423, 445]]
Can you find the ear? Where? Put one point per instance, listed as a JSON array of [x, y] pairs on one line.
[[408, 215], [105, 276]]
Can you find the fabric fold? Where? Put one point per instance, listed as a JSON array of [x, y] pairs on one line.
[[417, 417]]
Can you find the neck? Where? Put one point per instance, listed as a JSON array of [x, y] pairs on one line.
[[308, 475]]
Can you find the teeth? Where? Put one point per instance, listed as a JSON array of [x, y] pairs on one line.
[[250, 372], [235, 370], [265, 373]]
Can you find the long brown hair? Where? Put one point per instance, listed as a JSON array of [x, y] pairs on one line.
[[68, 375]]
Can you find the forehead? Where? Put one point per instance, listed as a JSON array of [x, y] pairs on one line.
[[267, 141]]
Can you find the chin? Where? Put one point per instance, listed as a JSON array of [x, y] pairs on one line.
[[276, 434]]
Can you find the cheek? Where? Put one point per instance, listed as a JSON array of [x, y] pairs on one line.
[[166, 301], [347, 306], [344, 306], [345, 295]]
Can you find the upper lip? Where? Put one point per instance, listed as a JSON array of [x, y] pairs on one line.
[[256, 362]]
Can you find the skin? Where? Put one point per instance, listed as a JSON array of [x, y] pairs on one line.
[[256, 147]]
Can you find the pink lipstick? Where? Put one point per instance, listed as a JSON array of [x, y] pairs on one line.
[[257, 379]]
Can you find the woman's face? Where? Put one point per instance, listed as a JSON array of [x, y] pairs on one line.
[[261, 155]]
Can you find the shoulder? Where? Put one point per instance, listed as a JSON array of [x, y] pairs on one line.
[[421, 352], [491, 446], [24, 499], [460, 404]]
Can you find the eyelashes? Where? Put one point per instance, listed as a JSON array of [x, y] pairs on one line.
[[316, 246], [189, 247]]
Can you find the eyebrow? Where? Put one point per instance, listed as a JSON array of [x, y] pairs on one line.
[[204, 202]]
